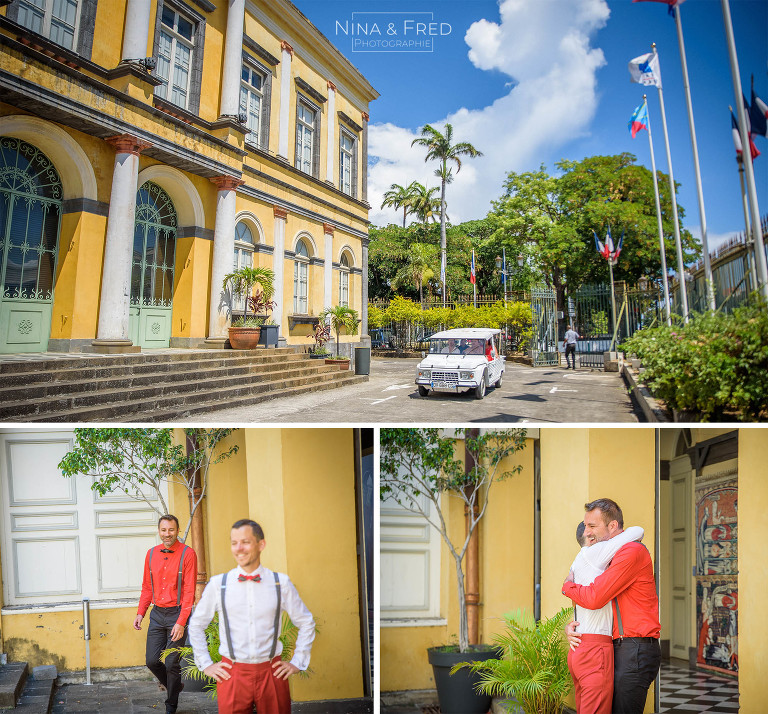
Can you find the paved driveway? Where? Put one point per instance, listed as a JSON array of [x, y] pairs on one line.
[[528, 394]]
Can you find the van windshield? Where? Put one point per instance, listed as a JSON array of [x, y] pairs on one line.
[[456, 347]]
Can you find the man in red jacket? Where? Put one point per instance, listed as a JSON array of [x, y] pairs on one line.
[[630, 585], [170, 575]]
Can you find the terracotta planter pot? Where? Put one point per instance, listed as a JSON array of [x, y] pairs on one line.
[[341, 364], [244, 338]]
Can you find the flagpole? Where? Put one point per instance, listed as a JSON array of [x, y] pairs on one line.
[[749, 246], [710, 286], [613, 301], [504, 272], [673, 197], [662, 246], [757, 236]]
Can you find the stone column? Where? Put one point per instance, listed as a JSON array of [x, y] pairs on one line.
[[233, 59], [136, 31], [328, 274], [278, 263], [285, 100], [223, 252], [331, 132], [364, 280], [364, 163], [112, 333]]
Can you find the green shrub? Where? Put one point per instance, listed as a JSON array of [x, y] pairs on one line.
[[715, 366]]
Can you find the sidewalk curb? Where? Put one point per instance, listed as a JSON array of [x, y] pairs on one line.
[[640, 395]]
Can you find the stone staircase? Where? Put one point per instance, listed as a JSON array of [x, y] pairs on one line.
[[22, 693], [155, 386]]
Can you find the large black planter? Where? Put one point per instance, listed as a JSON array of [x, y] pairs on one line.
[[269, 335], [457, 693]]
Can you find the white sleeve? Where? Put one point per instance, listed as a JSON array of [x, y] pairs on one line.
[[201, 618], [601, 554], [302, 618]]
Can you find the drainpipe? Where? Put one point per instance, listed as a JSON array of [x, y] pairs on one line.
[[472, 576], [196, 530]]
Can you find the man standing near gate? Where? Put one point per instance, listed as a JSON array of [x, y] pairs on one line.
[[249, 600], [569, 342], [170, 575]]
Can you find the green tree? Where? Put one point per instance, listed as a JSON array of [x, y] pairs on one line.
[[425, 203], [440, 148], [341, 317], [418, 269], [141, 463], [419, 467], [400, 197]]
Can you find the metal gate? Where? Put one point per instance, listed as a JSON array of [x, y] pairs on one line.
[[544, 339]]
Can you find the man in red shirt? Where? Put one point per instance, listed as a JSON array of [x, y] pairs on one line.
[[170, 575], [629, 583]]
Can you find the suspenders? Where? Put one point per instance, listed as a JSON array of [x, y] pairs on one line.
[[618, 617], [227, 632], [178, 586]]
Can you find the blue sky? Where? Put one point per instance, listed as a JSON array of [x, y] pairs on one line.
[[533, 81]]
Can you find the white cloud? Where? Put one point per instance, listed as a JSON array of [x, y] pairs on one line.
[[544, 48]]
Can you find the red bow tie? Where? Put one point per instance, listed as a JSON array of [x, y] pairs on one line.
[[242, 578]]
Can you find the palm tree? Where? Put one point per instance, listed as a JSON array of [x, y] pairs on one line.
[[424, 202], [342, 317], [400, 197], [418, 268], [440, 148]]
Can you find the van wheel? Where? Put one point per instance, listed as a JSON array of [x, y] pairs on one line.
[[423, 391], [498, 381], [480, 388]]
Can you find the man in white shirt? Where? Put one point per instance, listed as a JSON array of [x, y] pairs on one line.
[[591, 667], [569, 342], [249, 600]]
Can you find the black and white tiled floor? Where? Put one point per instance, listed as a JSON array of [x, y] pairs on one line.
[[684, 690]]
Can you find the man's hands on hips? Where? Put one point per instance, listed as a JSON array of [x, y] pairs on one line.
[[574, 639], [218, 670], [283, 670], [137, 622], [177, 632]]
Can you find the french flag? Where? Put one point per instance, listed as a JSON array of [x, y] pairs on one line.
[[639, 119], [758, 114], [737, 140], [472, 277], [672, 4]]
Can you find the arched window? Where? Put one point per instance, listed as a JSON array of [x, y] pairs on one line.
[[243, 257], [344, 279], [301, 278]]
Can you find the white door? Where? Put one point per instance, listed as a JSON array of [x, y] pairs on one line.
[[681, 574], [61, 541]]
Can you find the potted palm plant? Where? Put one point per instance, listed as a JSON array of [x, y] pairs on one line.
[[244, 332], [340, 317], [534, 666], [420, 472]]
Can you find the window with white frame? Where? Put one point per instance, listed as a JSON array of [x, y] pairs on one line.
[[301, 278], [243, 256], [174, 60], [347, 163], [251, 101], [305, 137], [344, 267], [55, 19]]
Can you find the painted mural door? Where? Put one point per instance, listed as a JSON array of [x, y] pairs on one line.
[[61, 541], [154, 253], [30, 218]]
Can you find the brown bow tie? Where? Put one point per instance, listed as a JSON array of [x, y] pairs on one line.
[[166, 550], [242, 578]]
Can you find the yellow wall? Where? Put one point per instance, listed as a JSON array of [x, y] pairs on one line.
[[57, 638], [753, 569], [506, 577]]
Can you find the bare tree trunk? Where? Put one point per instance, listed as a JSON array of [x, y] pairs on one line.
[[196, 531], [443, 241], [463, 629]]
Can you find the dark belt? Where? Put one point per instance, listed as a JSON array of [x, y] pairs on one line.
[[619, 640]]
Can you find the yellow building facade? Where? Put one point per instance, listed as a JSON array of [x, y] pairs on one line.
[[311, 519], [527, 543], [148, 148]]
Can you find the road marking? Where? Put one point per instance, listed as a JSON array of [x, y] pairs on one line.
[[386, 399], [397, 386], [557, 389]]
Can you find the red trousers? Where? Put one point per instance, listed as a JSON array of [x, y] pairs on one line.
[[253, 684], [591, 666]]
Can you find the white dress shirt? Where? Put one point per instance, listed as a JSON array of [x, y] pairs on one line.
[[251, 613], [591, 561]]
